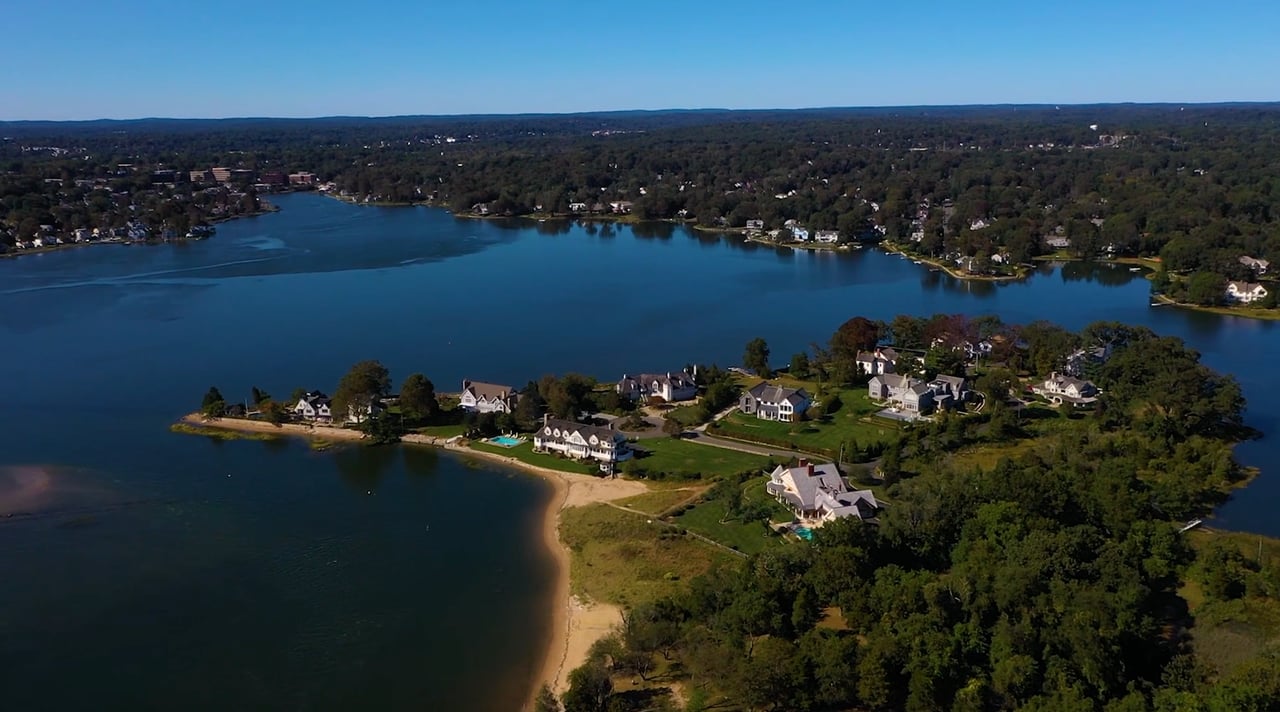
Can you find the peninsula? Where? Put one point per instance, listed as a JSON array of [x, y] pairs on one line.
[[1036, 474]]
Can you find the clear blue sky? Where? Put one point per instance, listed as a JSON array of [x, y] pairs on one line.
[[82, 59]]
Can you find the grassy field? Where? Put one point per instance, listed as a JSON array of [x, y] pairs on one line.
[[681, 457], [524, 453], [986, 456], [659, 501], [686, 415], [750, 537], [1228, 633], [619, 557]]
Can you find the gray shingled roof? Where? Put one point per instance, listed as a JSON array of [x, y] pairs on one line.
[[488, 391], [770, 393], [568, 427]]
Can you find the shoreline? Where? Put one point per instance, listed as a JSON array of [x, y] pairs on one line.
[[576, 624], [893, 249], [1260, 314], [267, 208]]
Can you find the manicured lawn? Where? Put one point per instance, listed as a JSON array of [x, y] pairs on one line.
[[681, 457], [524, 453], [619, 557], [820, 436], [747, 537]]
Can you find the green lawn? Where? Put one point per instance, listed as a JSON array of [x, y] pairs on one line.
[[681, 457], [749, 537], [619, 557], [441, 431], [819, 436], [686, 415], [524, 453]]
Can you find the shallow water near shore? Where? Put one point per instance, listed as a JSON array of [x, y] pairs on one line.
[[150, 569]]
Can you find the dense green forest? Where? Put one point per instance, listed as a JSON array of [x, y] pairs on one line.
[[1056, 578], [1196, 185]]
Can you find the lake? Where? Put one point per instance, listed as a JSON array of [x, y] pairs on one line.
[[148, 569]]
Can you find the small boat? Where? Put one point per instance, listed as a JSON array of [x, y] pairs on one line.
[[1135, 269]]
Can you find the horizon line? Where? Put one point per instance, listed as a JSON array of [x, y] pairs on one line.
[[669, 110]]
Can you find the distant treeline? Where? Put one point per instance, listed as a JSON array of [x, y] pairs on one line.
[[1198, 184]]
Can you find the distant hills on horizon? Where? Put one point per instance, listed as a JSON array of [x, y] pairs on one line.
[[621, 114]]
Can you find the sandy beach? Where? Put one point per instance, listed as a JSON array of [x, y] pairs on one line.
[[577, 624]]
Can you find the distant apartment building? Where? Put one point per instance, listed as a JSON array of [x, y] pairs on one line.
[[302, 178], [221, 174]]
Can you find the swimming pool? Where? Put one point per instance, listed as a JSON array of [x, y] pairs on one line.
[[505, 441], [804, 533]]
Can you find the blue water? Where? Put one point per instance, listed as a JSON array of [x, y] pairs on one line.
[[166, 571], [505, 441]]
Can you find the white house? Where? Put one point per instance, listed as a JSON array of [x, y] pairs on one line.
[[875, 362], [1078, 361], [582, 442], [1259, 266], [1065, 389], [818, 494], [769, 402], [487, 397], [670, 386], [314, 406], [910, 394], [1245, 292], [357, 414], [800, 234], [755, 224], [827, 237], [577, 207]]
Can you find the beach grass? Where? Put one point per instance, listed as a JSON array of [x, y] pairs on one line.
[[659, 501], [682, 458], [220, 433], [624, 558]]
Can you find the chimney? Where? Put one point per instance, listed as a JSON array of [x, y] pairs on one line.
[[804, 462]]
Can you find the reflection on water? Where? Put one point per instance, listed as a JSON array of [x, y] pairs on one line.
[[1107, 275], [38, 490], [363, 467], [658, 230]]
